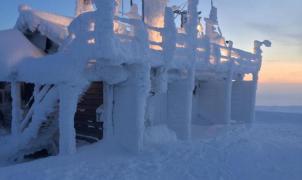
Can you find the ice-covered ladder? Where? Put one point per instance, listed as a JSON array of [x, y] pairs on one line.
[[39, 126]]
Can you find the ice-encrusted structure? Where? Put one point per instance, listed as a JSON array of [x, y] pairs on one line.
[[154, 74]]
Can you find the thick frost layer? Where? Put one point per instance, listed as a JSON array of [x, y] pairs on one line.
[[159, 135], [14, 145], [51, 25], [14, 48]]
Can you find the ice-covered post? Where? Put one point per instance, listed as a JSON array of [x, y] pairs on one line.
[[108, 127], [83, 6], [180, 92], [168, 43], [229, 83], [258, 55], [16, 107], [258, 50], [169, 36], [130, 107], [104, 28], [192, 33], [156, 112], [128, 126], [69, 95]]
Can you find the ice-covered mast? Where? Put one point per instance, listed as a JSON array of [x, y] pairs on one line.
[[83, 6], [213, 13], [213, 31]]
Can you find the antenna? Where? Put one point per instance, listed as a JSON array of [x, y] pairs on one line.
[[131, 2], [212, 4], [143, 10], [122, 7]]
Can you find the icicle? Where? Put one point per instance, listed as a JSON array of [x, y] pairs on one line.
[[213, 13]]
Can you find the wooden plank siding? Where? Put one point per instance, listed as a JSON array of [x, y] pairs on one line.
[[86, 125]]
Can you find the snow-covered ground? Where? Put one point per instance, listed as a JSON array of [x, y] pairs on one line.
[[270, 149], [284, 109]]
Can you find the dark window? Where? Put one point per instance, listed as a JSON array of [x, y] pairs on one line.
[[7, 97], [2, 85], [1, 98]]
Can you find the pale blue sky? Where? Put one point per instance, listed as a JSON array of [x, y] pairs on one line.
[[242, 21]]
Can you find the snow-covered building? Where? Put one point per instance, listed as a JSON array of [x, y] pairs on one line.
[[106, 74]]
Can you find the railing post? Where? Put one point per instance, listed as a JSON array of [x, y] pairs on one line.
[[108, 127], [253, 99], [104, 28], [68, 104], [168, 44], [258, 50], [180, 92], [229, 83], [16, 107], [169, 36]]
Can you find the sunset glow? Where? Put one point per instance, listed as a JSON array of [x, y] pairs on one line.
[[281, 72]]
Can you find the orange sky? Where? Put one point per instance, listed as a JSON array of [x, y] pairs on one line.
[[281, 72]]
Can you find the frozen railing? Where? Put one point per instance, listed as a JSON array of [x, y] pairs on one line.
[[131, 33], [128, 30], [245, 61], [211, 54], [156, 43], [160, 41]]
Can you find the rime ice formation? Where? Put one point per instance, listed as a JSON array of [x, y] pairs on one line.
[[154, 75], [14, 41], [83, 6]]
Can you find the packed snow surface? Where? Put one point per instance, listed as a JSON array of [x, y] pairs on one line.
[[269, 149]]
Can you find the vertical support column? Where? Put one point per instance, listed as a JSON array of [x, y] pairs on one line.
[[157, 102], [228, 98], [229, 84], [258, 55], [104, 28], [243, 100], [83, 6], [108, 112], [180, 95], [16, 108], [143, 11], [130, 106], [68, 105], [253, 99]]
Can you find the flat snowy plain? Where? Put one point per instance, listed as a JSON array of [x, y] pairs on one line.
[[271, 149]]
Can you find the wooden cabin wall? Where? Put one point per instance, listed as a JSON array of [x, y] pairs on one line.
[[5, 101], [5, 105], [86, 124]]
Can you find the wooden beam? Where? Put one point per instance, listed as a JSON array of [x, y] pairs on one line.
[[68, 106], [16, 107]]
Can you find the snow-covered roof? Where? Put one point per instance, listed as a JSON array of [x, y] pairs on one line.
[[14, 48], [51, 25]]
